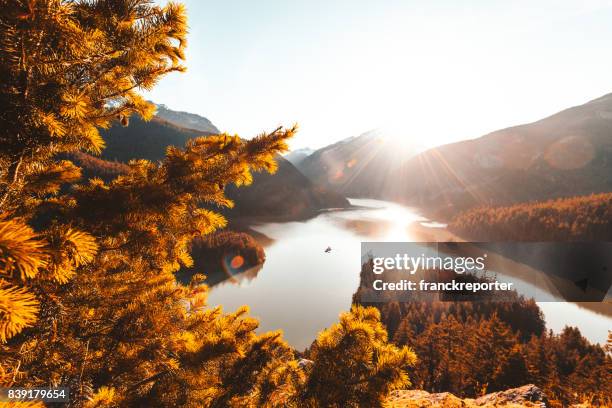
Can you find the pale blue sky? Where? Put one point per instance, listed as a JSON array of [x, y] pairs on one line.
[[431, 71]]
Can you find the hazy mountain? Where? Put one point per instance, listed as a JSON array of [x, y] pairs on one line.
[[360, 166], [287, 193], [185, 119], [295, 157], [566, 154]]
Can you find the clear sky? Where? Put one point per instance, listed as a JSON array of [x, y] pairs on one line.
[[434, 71]]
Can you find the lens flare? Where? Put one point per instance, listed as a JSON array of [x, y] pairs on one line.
[[233, 263], [237, 262]]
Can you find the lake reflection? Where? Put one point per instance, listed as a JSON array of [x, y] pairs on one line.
[[301, 289]]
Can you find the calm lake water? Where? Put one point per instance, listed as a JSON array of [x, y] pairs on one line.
[[301, 289]]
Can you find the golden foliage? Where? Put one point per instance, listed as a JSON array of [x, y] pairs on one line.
[[21, 250], [18, 309], [104, 397], [354, 365], [69, 68], [49, 179], [586, 218], [24, 404], [22, 255], [70, 249], [113, 322]]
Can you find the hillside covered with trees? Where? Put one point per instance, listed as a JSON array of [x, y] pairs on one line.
[[473, 348], [584, 218]]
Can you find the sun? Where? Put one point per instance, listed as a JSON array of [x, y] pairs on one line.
[[401, 140]]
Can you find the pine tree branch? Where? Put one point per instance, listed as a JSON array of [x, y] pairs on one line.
[[147, 380], [14, 175]]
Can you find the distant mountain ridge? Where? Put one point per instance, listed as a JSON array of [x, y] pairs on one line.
[[145, 140], [359, 166], [566, 154], [295, 157], [287, 194], [186, 119]]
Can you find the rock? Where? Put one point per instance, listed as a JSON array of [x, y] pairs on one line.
[[526, 393], [423, 399], [525, 396]]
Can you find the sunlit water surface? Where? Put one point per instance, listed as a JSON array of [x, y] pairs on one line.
[[301, 289]]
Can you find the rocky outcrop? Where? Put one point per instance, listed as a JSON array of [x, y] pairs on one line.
[[525, 396]]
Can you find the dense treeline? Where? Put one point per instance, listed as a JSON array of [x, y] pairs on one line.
[[93, 166], [471, 348], [585, 218], [88, 295]]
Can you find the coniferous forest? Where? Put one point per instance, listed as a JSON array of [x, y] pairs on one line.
[[102, 285], [583, 218], [470, 349]]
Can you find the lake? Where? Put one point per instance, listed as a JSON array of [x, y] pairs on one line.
[[301, 289]]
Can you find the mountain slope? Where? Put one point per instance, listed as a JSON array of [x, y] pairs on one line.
[[361, 166], [144, 140], [287, 193], [185, 119], [295, 157], [583, 218], [566, 154]]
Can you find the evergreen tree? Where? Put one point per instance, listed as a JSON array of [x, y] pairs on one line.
[[513, 371], [404, 335], [67, 68], [394, 316], [540, 360], [494, 342], [354, 366], [88, 296]]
